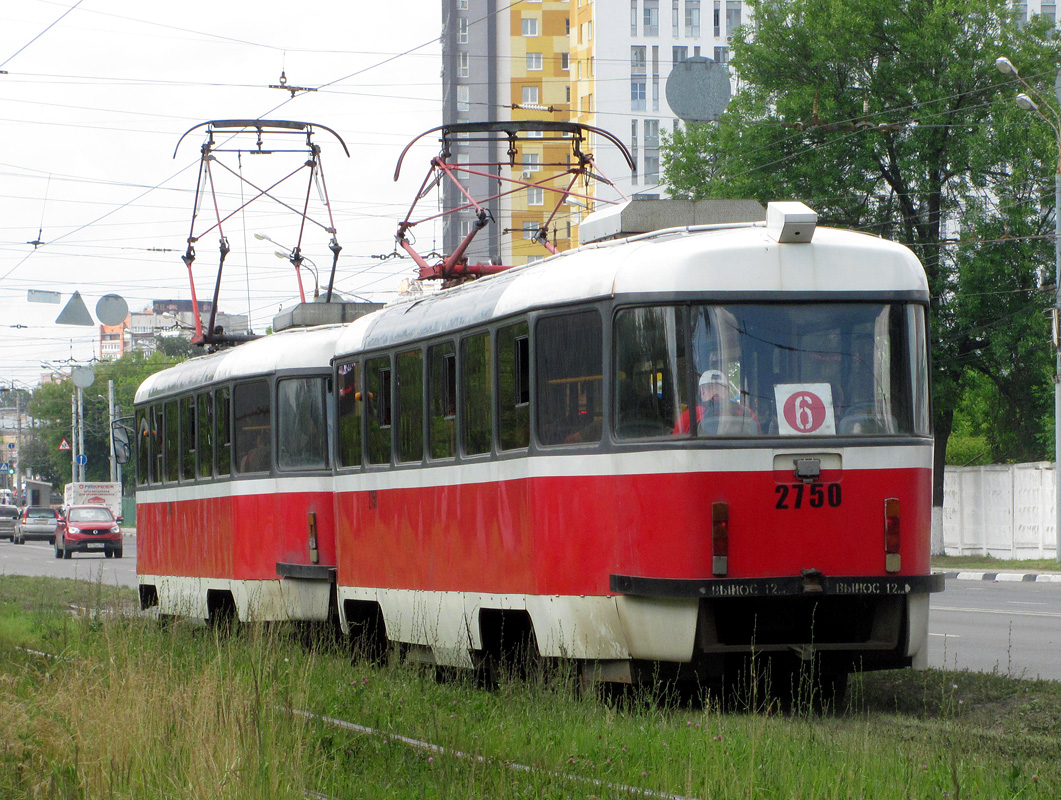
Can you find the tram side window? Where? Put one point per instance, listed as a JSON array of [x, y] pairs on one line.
[[350, 413], [922, 423], [188, 438], [650, 372], [252, 411], [157, 429], [223, 408], [513, 386], [171, 450], [205, 403], [302, 436], [378, 415], [442, 430], [476, 405], [143, 446], [569, 357], [410, 406]]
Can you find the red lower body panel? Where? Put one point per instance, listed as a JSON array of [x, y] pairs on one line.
[[567, 535], [236, 537]]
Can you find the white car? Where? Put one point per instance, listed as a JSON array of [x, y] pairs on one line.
[[8, 516]]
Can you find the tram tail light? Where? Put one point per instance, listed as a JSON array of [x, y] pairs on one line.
[[892, 559], [719, 538]]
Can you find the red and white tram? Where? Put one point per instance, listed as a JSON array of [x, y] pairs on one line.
[[234, 473], [656, 456]]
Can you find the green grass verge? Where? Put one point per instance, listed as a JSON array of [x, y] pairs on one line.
[[126, 708], [990, 564]]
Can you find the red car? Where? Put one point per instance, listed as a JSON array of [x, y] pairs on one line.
[[88, 529]]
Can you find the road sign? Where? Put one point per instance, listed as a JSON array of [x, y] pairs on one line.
[[698, 89], [4, 465], [64, 445], [82, 459], [10, 445], [75, 313]]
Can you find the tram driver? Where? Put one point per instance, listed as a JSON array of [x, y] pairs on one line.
[[717, 413]]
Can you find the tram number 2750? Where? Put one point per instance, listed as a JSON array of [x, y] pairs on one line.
[[814, 495]]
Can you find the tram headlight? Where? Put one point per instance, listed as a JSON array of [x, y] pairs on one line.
[[892, 559], [719, 538]]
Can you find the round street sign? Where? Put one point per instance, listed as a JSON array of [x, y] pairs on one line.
[[83, 377], [112, 309], [82, 459], [698, 89]]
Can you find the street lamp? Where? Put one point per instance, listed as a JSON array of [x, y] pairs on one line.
[[1026, 102], [297, 259]]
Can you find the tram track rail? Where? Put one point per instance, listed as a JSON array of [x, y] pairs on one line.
[[430, 747]]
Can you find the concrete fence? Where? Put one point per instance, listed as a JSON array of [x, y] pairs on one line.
[[1005, 511]]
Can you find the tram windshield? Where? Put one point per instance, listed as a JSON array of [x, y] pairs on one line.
[[747, 370]]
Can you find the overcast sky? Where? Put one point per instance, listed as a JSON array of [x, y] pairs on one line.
[[93, 106]]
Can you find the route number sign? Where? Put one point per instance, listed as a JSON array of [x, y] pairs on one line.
[[805, 409]]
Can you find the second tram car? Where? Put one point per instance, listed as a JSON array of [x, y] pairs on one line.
[[234, 494], [657, 456]]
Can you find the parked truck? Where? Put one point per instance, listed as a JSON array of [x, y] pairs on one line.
[[106, 493]]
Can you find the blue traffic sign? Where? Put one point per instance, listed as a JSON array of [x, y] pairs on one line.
[[82, 459], [10, 445], [5, 465]]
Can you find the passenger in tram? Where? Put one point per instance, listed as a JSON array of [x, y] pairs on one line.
[[257, 458], [716, 412]]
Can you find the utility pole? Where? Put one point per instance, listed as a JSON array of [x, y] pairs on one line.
[[73, 438], [19, 483], [110, 438], [1027, 103], [80, 432]]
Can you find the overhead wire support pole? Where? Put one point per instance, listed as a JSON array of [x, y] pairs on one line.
[[1024, 101]]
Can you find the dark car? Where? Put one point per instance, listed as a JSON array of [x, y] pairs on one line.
[[88, 529], [8, 516], [36, 522]]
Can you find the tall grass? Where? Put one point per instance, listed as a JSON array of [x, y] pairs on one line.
[[126, 709], [129, 709]]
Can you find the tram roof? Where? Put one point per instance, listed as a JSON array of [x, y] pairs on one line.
[[730, 261], [289, 349]]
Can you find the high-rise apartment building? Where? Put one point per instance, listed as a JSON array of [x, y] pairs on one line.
[[625, 62], [474, 72], [600, 62], [505, 61]]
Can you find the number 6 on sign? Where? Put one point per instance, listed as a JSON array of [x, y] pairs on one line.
[[804, 409]]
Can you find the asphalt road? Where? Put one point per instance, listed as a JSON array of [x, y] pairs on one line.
[[38, 558], [1010, 628]]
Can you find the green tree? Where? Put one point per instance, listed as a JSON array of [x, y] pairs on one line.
[[891, 118], [177, 347], [50, 407]]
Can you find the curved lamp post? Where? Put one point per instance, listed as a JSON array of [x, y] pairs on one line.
[[1027, 101]]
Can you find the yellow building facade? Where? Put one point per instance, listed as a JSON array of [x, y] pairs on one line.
[[540, 89]]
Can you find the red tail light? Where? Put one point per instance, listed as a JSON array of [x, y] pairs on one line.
[[720, 538], [892, 559]]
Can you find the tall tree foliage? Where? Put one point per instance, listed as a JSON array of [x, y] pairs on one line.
[[890, 117], [50, 409]]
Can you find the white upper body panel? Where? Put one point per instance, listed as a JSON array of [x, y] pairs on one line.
[[711, 263], [295, 348]]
